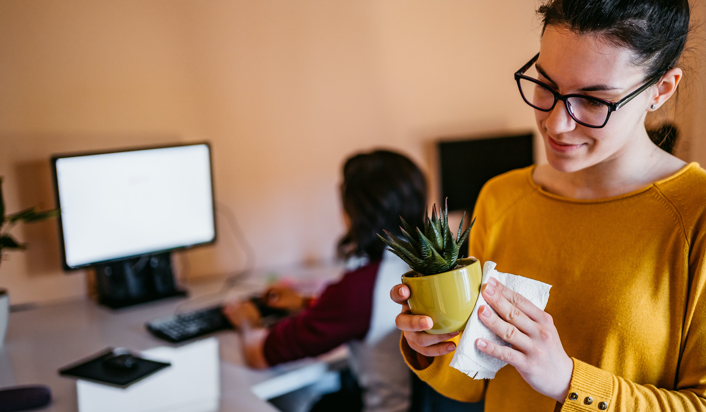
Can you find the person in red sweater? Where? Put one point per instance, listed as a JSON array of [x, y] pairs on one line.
[[378, 188]]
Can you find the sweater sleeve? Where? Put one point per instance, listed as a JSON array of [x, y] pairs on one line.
[[610, 392], [445, 379], [342, 313]]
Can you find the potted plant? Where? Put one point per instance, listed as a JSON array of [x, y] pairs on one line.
[[7, 242], [442, 286]]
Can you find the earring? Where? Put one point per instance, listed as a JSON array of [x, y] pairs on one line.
[[654, 106]]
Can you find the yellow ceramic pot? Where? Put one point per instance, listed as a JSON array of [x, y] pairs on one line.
[[448, 298]]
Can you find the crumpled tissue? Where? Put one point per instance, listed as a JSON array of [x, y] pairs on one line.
[[468, 358]]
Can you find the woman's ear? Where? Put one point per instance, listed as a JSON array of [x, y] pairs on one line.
[[666, 87]]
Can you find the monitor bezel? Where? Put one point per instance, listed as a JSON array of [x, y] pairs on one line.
[[56, 157]]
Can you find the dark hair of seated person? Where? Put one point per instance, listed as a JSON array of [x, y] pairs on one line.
[[378, 188]]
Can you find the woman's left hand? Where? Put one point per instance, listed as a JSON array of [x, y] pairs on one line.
[[536, 350], [242, 315]]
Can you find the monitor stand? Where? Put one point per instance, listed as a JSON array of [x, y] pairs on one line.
[[137, 280]]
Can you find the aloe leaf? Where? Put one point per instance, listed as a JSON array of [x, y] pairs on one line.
[[21, 215], [399, 248], [460, 227], [403, 257], [399, 242], [451, 248], [446, 212], [406, 225], [39, 216], [425, 247], [436, 263], [412, 241], [463, 237], [434, 235]]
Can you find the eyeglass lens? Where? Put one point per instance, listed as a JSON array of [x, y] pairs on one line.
[[589, 112]]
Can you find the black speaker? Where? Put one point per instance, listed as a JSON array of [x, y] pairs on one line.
[[137, 280]]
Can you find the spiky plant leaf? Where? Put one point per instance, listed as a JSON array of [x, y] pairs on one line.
[[395, 246], [433, 249], [460, 226], [450, 253], [412, 241], [425, 246], [406, 226]]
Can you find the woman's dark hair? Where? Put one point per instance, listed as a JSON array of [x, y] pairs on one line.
[[655, 30], [378, 188], [665, 136]]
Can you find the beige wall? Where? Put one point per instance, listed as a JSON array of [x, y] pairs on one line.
[[284, 90]]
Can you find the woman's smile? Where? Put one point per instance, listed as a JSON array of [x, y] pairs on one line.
[[563, 147]]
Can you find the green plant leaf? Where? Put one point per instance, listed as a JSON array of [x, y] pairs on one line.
[[396, 247], [434, 235], [404, 258], [425, 247], [8, 242], [436, 264], [406, 225], [22, 215], [39, 216], [451, 250], [460, 227], [463, 237]]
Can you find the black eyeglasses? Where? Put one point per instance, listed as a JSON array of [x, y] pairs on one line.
[[585, 110]]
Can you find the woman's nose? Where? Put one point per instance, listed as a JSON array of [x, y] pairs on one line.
[[559, 121]]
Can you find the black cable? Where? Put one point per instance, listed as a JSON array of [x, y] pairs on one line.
[[242, 241]]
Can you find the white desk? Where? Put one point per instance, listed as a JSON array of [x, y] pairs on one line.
[[44, 339]]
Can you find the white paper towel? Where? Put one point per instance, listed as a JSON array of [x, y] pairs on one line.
[[468, 358]]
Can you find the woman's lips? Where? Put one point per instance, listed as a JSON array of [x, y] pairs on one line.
[[562, 147]]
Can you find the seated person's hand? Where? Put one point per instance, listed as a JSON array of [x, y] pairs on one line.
[[413, 327], [284, 297], [242, 314]]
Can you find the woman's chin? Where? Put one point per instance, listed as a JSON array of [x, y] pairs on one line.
[[565, 165]]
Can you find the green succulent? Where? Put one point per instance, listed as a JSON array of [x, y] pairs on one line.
[[435, 250], [8, 221]]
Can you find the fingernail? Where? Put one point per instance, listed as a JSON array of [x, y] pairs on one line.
[[486, 312], [490, 291], [481, 343], [454, 333], [450, 347], [493, 282], [425, 323]]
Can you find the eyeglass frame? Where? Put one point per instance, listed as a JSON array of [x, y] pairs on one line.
[[612, 106]]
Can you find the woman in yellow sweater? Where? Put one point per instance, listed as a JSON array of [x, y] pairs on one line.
[[614, 223]]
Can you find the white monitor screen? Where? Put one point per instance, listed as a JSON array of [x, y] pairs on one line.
[[119, 205]]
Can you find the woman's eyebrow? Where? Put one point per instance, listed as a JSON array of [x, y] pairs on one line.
[[596, 88]]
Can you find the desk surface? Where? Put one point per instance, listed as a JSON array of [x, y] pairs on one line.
[[46, 338]]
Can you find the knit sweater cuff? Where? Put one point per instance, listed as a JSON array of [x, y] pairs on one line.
[[590, 389], [431, 371]]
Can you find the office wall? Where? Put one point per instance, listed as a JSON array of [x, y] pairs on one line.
[[284, 91]]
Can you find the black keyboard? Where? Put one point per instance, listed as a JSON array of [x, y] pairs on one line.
[[185, 326]]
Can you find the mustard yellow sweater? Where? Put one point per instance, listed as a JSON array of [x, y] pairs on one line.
[[628, 296]]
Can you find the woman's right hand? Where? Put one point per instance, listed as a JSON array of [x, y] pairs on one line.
[[413, 327], [283, 297]]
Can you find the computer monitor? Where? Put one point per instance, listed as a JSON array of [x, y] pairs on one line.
[[123, 212], [466, 165]]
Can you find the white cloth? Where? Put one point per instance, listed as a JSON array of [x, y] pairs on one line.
[[468, 358], [377, 361]]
